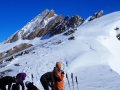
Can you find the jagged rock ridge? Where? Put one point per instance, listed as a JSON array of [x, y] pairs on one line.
[[96, 15], [44, 23]]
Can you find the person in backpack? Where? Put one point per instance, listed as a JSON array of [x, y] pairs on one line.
[[58, 76], [20, 78], [7, 80], [46, 80], [30, 86]]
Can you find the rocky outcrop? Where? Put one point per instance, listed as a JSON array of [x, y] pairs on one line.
[[14, 50], [75, 21], [66, 24], [71, 38], [49, 26], [49, 15], [118, 36], [116, 28], [41, 28], [96, 15], [2, 54]]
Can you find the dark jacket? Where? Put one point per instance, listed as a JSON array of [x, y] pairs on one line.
[[47, 77], [32, 87], [7, 80], [21, 77]]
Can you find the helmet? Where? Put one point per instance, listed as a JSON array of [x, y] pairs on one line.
[[58, 64], [27, 83]]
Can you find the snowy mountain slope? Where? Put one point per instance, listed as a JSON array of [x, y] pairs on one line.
[[93, 56], [103, 29]]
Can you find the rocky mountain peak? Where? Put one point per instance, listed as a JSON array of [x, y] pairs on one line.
[[38, 22], [46, 23]]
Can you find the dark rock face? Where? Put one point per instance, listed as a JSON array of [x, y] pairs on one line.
[[71, 38], [15, 38], [116, 28], [49, 15], [69, 32], [65, 24], [75, 21], [40, 31], [118, 36], [2, 54], [49, 26], [96, 15], [14, 50]]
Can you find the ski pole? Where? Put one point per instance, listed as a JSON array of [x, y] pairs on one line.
[[68, 81], [32, 77], [77, 83], [72, 80]]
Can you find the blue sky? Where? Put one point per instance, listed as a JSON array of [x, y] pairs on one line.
[[14, 14]]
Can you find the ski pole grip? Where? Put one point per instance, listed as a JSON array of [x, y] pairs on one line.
[[71, 75], [76, 79], [32, 75], [66, 75]]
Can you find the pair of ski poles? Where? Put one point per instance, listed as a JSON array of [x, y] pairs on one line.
[[72, 81], [67, 80]]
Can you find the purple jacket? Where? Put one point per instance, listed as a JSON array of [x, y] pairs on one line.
[[21, 77]]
